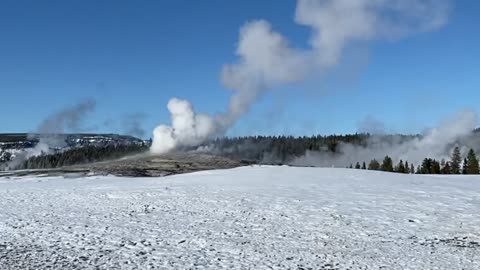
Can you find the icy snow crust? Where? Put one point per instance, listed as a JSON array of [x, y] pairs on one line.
[[243, 218]]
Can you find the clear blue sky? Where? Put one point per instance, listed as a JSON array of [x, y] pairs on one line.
[[132, 56]]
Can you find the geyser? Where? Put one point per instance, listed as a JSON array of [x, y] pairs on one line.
[[266, 60]]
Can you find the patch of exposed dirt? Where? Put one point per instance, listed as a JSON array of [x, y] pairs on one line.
[[140, 166]]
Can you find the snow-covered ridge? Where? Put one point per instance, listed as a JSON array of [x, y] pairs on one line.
[[11, 145], [244, 218]]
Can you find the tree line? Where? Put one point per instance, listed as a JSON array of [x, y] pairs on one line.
[[81, 155], [282, 149], [271, 149], [456, 165]]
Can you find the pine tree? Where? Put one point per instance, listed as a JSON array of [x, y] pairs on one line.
[[472, 163], [374, 165], [407, 167], [456, 161], [412, 168], [446, 169], [357, 166], [435, 167], [400, 167], [465, 166], [426, 166], [351, 166], [387, 165], [364, 166]]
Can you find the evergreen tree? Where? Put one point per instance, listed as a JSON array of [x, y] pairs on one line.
[[412, 169], [407, 167], [465, 166], [435, 167], [446, 169], [387, 165], [456, 161], [401, 167], [80, 155], [364, 166], [472, 163], [374, 165], [351, 166], [426, 166], [357, 166]]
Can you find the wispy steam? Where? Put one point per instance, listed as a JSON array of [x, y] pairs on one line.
[[435, 143], [371, 125], [50, 129], [132, 124], [266, 60], [68, 119], [128, 124]]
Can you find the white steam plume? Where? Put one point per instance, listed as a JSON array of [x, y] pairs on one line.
[[266, 59], [436, 143], [188, 128]]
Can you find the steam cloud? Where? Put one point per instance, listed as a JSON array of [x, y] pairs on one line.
[[266, 60], [132, 124], [435, 143], [67, 119]]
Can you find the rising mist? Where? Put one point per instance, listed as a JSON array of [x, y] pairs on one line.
[[266, 60]]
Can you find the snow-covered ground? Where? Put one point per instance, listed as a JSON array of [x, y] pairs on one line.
[[243, 218]]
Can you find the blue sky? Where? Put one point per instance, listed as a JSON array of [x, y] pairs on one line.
[[132, 56]]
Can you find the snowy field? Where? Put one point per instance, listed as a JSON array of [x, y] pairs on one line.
[[243, 218]]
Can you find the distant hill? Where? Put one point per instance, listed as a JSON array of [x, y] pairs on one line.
[[13, 145], [73, 139]]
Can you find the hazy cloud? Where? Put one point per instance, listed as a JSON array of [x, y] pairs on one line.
[[68, 119]]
